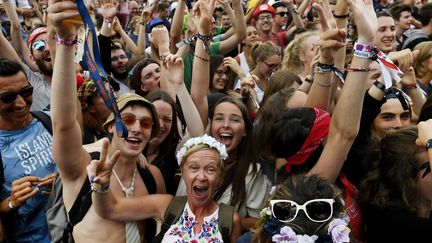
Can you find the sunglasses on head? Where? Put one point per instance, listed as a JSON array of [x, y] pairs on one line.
[[10, 97], [425, 165], [283, 14], [130, 119], [39, 45], [317, 210]]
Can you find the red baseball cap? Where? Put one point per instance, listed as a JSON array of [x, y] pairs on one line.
[[35, 34], [263, 8]]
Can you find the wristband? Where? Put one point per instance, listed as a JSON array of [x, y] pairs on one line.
[[96, 187], [205, 39], [428, 144], [364, 50], [341, 16], [410, 86], [66, 42], [10, 206], [326, 68], [379, 85], [352, 69]]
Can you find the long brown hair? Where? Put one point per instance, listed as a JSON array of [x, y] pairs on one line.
[[244, 156]]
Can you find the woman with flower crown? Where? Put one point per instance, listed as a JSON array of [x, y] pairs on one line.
[[201, 165]]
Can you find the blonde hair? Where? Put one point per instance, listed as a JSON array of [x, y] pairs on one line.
[[425, 49], [197, 148], [291, 60]]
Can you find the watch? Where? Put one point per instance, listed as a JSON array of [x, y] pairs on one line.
[[428, 144], [10, 203]]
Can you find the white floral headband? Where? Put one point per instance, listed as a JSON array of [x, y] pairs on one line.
[[205, 139]]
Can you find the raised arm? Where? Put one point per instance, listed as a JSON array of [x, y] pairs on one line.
[[121, 209], [240, 29], [345, 122], [141, 44], [331, 40], [67, 141], [201, 65], [173, 65], [130, 44], [176, 25]]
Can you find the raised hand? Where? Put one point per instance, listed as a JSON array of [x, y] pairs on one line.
[[116, 25], [404, 59], [160, 37], [203, 10], [23, 189], [145, 15], [109, 11], [99, 171], [59, 13], [173, 67], [234, 66], [424, 132], [365, 19], [331, 38]]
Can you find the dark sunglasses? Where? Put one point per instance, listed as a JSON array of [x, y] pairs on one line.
[[39, 45], [317, 210], [10, 97], [283, 14], [425, 165], [130, 119]]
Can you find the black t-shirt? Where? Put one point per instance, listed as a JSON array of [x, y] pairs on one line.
[[393, 224]]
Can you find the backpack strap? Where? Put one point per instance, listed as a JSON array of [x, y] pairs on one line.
[[44, 118], [81, 205], [173, 213], [46, 122], [148, 180], [226, 213]]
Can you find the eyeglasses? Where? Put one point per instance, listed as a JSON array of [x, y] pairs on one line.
[[220, 73], [425, 165], [283, 14], [269, 17], [10, 97], [317, 210], [39, 45], [130, 119], [271, 66]]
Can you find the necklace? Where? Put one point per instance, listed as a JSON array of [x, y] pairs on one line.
[[128, 191]]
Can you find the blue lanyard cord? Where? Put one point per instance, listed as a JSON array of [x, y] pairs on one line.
[[95, 66]]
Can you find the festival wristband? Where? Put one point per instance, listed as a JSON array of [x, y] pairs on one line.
[[364, 50], [379, 85], [66, 42]]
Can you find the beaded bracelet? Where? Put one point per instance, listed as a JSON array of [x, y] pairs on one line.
[[352, 69], [202, 58]]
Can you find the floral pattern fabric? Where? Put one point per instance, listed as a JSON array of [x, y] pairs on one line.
[[183, 230]]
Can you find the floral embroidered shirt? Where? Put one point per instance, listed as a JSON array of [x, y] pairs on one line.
[[183, 230]]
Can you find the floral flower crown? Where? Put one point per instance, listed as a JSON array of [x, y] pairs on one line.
[[337, 232], [205, 139]]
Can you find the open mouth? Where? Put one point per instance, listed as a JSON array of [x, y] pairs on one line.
[[200, 191], [133, 140], [225, 138]]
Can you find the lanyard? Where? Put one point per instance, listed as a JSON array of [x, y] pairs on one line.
[[95, 66]]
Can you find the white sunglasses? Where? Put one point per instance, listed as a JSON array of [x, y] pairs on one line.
[[317, 210]]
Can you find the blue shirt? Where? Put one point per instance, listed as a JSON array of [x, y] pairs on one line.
[[27, 152]]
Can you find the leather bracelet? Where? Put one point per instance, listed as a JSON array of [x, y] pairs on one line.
[[66, 42], [341, 16], [379, 85]]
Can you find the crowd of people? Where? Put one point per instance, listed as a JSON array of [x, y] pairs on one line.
[[216, 121]]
